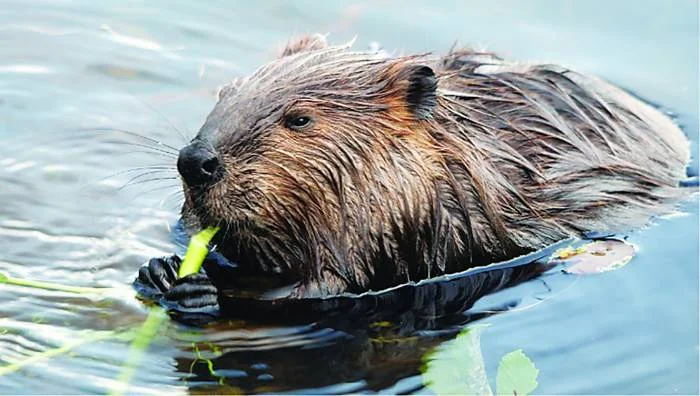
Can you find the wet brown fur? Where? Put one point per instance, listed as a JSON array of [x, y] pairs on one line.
[[396, 181]]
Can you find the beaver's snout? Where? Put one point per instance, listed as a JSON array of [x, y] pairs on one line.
[[198, 165]]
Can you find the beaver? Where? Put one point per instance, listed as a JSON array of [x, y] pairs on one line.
[[333, 171]]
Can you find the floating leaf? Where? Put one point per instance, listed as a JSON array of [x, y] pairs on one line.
[[595, 257], [457, 367], [517, 375]]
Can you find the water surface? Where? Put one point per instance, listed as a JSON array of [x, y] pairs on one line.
[[70, 68]]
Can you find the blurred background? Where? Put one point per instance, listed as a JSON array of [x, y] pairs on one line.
[[97, 96]]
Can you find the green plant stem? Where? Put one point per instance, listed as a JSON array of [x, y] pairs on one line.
[[194, 257], [144, 336], [197, 250], [67, 347], [52, 286]]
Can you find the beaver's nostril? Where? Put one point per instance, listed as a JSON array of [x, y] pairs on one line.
[[211, 165], [198, 165]]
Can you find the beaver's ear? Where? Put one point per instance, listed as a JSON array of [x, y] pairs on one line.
[[420, 93], [304, 43], [228, 89]]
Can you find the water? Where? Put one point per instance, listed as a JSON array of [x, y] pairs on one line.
[[154, 68]]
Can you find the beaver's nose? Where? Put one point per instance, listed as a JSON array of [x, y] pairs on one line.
[[198, 165]]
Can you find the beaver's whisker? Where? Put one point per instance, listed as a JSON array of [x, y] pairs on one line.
[[77, 137], [135, 180], [166, 119], [159, 188], [170, 157], [131, 133], [153, 149], [173, 206], [156, 169], [175, 194], [175, 198], [163, 168]]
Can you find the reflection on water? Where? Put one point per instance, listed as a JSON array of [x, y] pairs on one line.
[[72, 71]]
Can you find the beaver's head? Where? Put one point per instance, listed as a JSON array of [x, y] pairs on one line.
[[319, 166]]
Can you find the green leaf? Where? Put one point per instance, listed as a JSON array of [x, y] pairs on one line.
[[517, 375], [457, 366]]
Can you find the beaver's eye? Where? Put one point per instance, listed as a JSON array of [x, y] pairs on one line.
[[298, 122]]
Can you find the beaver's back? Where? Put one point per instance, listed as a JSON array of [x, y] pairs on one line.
[[548, 152]]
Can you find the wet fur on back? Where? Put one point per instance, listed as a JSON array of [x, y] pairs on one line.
[[417, 166]]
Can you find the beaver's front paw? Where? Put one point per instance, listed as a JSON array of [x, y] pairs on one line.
[[157, 277], [191, 296]]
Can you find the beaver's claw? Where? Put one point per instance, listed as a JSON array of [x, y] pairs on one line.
[[191, 295], [194, 293], [157, 277]]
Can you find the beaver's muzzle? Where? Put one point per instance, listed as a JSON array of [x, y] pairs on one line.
[[199, 165]]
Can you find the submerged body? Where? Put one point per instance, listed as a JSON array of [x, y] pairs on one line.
[[338, 171]]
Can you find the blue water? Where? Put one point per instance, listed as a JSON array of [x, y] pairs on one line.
[[154, 68]]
